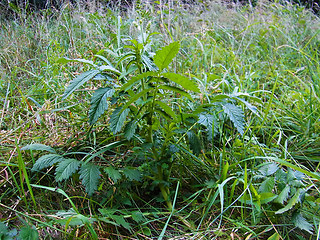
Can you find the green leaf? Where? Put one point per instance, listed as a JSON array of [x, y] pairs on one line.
[[283, 196], [135, 79], [65, 60], [300, 222], [266, 197], [138, 217], [47, 161], [176, 90], [28, 233], [130, 129], [132, 174], [210, 122], [117, 119], [79, 81], [66, 168], [274, 236], [121, 221], [165, 55], [194, 143], [38, 146], [114, 174], [236, 115], [99, 103], [290, 203], [183, 81], [108, 68], [166, 109], [267, 185], [269, 169], [90, 175]]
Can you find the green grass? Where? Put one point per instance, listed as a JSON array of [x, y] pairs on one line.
[[259, 63]]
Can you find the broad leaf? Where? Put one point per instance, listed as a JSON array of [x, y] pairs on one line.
[[300, 222], [38, 146], [28, 233], [165, 55], [99, 103], [66, 168], [210, 122], [176, 90], [121, 221], [90, 175], [132, 174], [236, 115], [266, 197], [47, 161], [283, 196], [109, 68], [114, 174], [267, 185], [194, 143], [117, 119], [290, 203], [269, 169], [183, 81], [130, 129], [79, 81], [135, 79], [166, 109], [274, 236]]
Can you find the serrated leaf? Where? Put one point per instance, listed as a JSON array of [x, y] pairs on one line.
[[114, 174], [283, 196], [166, 109], [117, 119], [65, 60], [210, 122], [39, 147], [165, 55], [109, 68], [290, 203], [28, 233], [99, 103], [176, 90], [269, 169], [183, 81], [90, 175], [300, 222], [138, 217], [266, 197], [47, 161], [132, 174], [130, 129], [121, 221], [135, 79], [66, 168], [236, 115], [79, 81], [194, 143], [267, 185]]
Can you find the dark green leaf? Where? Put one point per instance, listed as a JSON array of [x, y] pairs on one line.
[[132, 174], [176, 90], [38, 146], [47, 161], [194, 143], [135, 79], [99, 103], [117, 119], [121, 221], [79, 81], [90, 175], [166, 109], [283, 196], [290, 203], [165, 55], [130, 129], [138, 217], [267, 185], [66, 168], [28, 233], [183, 81], [236, 115], [300, 222], [114, 174], [210, 122]]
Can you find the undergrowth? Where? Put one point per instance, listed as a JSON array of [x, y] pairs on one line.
[[167, 120]]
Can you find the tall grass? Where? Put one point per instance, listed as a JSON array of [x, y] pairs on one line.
[[269, 53]]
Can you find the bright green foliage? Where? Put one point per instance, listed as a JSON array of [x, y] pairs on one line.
[[90, 175], [165, 55]]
